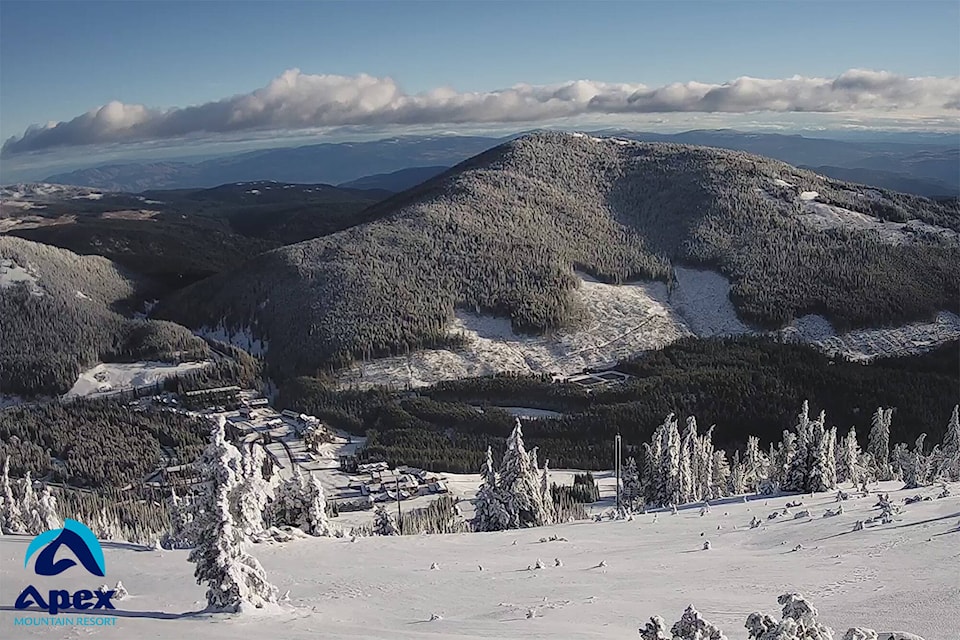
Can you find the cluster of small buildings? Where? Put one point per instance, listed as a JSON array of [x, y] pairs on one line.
[[375, 482]]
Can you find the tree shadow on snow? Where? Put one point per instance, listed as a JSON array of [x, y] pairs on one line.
[[119, 613]]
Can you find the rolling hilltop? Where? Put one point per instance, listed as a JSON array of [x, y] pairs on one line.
[[504, 232], [60, 313]]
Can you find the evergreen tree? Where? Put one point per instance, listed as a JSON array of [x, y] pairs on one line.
[[48, 510], [182, 533], [819, 458], [252, 493], [11, 520], [489, 513], [384, 523], [720, 473], [545, 496], [754, 464], [30, 507], [848, 468], [670, 462], [949, 464], [234, 578], [519, 486], [799, 457], [705, 464], [738, 475], [686, 489], [900, 461], [314, 520], [879, 444], [915, 467], [631, 484]]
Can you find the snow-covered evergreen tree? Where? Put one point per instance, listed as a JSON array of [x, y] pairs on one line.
[[631, 494], [949, 462], [879, 444], [687, 491], [720, 473], [820, 471], [754, 464], [831, 457], [799, 622], [667, 445], [915, 466], [900, 461], [848, 467], [182, 532], [314, 520], [738, 475], [47, 511], [234, 578], [30, 506], [545, 496], [489, 513], [11, 520], [299, 502], [797, 476], [519, 485], [692, 626], [384, 523], [705, 464], [252, 493]]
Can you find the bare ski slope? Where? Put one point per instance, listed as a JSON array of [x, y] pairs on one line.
[[897, 577]]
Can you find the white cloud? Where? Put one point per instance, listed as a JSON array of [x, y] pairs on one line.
[[296, 101]]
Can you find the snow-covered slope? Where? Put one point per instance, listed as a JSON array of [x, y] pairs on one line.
[[897, 577], [626, 319], [106, 378]]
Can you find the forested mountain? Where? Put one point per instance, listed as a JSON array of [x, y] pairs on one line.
[[60, 313], [503, 232]]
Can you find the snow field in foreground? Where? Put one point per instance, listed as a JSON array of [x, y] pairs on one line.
[[897, 577]]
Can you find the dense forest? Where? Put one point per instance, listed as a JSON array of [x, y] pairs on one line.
[[68, 312], [504, 231], [97, 444], [745, 386]]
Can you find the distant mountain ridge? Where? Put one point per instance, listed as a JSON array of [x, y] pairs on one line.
[[929, 167]]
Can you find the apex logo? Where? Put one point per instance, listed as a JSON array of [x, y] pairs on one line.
[[76, 537], [86, 548]]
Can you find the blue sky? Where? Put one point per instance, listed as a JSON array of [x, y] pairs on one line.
[[59, 60]]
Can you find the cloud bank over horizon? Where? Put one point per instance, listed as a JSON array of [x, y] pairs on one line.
[[298, 101]]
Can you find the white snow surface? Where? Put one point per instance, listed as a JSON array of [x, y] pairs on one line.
[[108, 378], [867, 344], [242, 338], [12, 273], [822, 216], [897, 577]]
